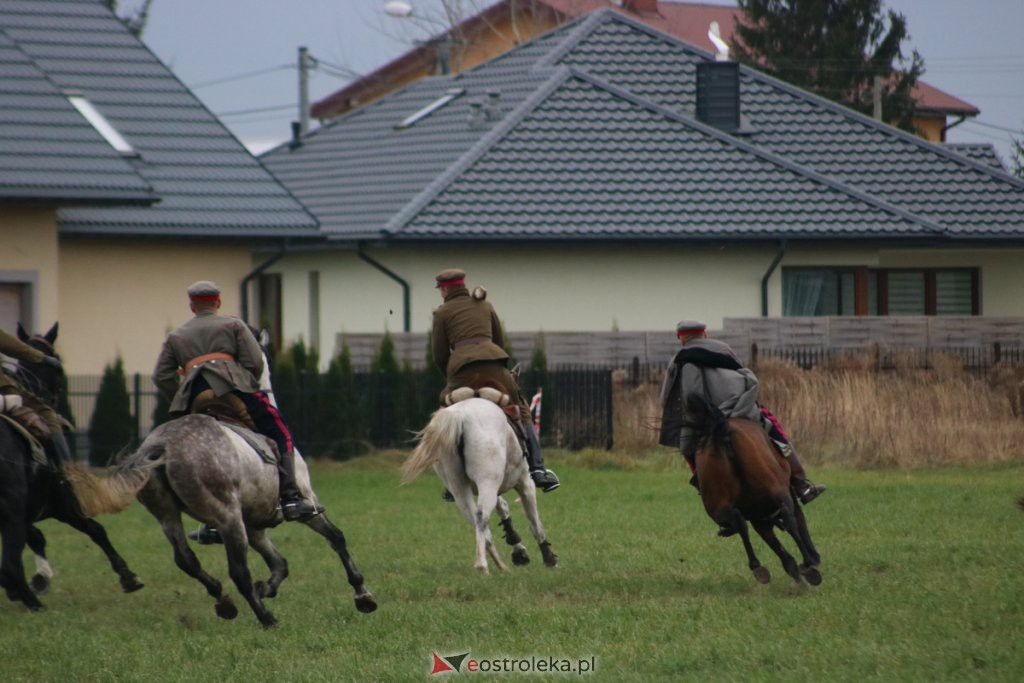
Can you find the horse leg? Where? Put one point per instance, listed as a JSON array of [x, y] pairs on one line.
[[12, 572], [95, 531], [463, 494], [236, 544], [259, 540], [189, 563], [808, 569], [486, 501], [323, 526], [528, 493], [764, 528], [40, 581], [519, 555], [801, 525], [739, 524]]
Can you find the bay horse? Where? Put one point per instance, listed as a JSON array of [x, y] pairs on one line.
[[30, 492], [742, 477], [195, 464], [474, 450]]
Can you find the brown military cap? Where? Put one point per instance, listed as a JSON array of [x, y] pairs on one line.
[[450, 277], [204, 290], [688, 326]]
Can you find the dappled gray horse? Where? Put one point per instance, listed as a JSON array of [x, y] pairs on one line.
[[197, 465]]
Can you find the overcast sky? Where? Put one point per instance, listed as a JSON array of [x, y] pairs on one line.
[[239, 56]]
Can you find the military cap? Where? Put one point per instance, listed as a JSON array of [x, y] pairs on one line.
[[204, 290], [450, 277], [686, 326]]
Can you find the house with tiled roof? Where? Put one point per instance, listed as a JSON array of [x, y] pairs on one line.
[[118, 188], [591, 180], [507, 23]]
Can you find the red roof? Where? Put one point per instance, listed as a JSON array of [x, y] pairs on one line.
[[688, 21]]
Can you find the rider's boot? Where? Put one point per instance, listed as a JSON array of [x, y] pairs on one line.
[[545, 479], [205, 535], [805, 490], [293, 506]]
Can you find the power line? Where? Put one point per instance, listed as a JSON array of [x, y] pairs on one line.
[[260, 110], [239, 77], [993, 126]]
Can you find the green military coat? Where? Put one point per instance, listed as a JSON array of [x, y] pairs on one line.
[[466, 330], [207, 333], [15, 348]]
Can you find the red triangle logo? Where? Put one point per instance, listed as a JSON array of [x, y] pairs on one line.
[[440, 665]]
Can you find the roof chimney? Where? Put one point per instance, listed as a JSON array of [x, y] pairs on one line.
[[638, 6], [718, 95]]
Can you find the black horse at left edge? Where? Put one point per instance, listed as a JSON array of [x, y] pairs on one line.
[[31, 492]]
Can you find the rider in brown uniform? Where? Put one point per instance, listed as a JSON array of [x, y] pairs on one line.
[[710, 367], [467, 345], [220, 353]]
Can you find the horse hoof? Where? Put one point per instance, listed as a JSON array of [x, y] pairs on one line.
[[225, 608], [520, 557], [36, 608], [40, 584], [762, 574], [268, 621], [812, 575], [132, 584], [365, 603]]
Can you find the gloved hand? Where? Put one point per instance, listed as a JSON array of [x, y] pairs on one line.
[[53, 362], [9, 402]]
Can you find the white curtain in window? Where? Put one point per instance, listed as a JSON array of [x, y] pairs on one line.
[[802, 291]]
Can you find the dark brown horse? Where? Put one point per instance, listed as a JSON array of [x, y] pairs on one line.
[[30, 492], [744, 478]]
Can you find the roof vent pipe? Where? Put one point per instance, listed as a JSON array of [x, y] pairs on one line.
[[492, 107], [477, 116], [718, 95], [296, 141]]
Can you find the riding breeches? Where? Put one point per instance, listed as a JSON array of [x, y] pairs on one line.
[[265, 415]]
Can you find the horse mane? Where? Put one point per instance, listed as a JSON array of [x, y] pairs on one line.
[[710, 426]]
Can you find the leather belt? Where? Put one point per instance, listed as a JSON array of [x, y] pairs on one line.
[[469, 342], [199, 360]]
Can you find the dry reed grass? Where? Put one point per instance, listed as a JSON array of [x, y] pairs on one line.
[[851, 415]]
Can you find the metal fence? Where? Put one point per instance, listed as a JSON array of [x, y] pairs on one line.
[[380, 410]]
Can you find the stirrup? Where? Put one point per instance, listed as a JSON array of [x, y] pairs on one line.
[[545, 479], [809, 493], [205, 535], [299, 510]]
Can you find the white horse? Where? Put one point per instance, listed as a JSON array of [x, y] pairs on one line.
[[194, 464], [473, 449]]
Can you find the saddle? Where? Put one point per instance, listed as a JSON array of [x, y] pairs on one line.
[[230, 411], [495, 396]]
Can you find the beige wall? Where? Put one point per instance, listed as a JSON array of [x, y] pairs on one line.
[[29, 247], [122, 296], [594, 288]]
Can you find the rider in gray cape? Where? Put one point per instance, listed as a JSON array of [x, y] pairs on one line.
[[220, 353], [710, 368]]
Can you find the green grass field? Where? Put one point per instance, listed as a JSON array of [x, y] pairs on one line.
[[922, 582]]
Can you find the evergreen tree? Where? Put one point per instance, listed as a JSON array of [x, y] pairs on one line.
[[161, 411], [385, 401], [111, 427], [343, 430], [834, 48]]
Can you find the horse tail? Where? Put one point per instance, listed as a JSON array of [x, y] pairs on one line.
[[710, 426], [106, 492], [440, 437]]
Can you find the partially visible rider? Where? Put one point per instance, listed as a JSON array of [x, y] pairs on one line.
[[468, 347], [220, 353], [40, 419], [709, 367]]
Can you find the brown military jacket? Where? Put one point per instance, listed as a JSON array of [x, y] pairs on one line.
[[207, 333], [465, 330], [15, 348]]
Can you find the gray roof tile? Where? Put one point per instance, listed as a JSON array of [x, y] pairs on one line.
[[80, 45], [808, 167]]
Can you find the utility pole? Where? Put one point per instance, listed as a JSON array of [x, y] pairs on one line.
[[305, 62]]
